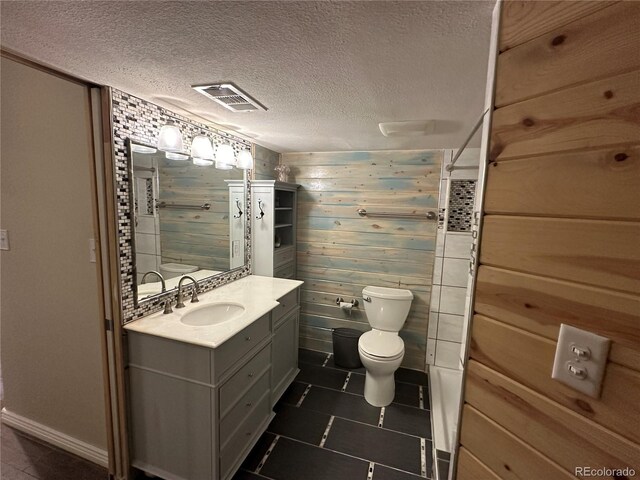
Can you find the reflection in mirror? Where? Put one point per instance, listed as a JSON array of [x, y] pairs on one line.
[[186, 219]]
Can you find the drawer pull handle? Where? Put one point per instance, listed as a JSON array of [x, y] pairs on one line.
[[247, 338], [249, 404], [251, 375]]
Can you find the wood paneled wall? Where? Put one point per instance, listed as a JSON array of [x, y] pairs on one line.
[[339, 252], [265, 161], [560, 244], [195, 237]]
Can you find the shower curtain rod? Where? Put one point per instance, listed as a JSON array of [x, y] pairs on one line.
[[449, 168]]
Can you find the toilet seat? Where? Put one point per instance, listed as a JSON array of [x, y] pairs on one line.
[[381, 345]]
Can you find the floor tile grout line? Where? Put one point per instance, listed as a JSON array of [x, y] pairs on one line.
[[347, 455], [372, 466], [362, 396], [423, 458], [324, 365], [266, 455], [304, 395], [381, 418], [363, 423], [326, 431], [346, 382]]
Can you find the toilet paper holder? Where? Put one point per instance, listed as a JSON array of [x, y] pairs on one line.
[[354, 302]]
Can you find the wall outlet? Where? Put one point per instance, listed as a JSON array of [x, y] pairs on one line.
[[581, 359], [236, 248], [4, 240]]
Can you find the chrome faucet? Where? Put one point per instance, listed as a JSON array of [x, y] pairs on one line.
[[194, 293], [167, 303]]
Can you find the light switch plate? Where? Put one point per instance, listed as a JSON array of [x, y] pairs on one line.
[[581, 359], [4, 240]]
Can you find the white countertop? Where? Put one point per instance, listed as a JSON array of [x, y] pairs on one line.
[[257, 294]]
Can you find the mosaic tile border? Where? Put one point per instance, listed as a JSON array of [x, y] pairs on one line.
[[140, 120], [460, 209]]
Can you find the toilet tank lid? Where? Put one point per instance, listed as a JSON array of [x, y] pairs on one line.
[[179, 268], [387, 293]]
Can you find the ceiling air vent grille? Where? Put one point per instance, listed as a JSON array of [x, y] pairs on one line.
[[230, 97]]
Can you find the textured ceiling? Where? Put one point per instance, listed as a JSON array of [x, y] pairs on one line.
[[328, 72]]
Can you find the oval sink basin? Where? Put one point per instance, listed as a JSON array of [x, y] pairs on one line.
[[212, 314]]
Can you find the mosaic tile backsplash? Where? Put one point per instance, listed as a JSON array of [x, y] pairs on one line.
[[461, 197], [141, 120]]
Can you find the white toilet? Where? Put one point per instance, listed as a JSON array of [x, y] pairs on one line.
[[172, 270], [381, 349]]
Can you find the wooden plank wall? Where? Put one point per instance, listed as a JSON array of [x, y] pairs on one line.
[[195, 237], [339, 253], [265, 162], [560, 244]]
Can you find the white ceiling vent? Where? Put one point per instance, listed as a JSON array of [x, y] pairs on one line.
[[230, 97], [410, 128]]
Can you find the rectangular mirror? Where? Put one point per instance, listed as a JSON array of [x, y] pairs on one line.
[[187, 219]]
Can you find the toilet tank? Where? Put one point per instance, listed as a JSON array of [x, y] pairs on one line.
[[172, 270], [387, 308]]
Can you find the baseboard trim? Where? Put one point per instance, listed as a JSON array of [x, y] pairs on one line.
[[56, 438]]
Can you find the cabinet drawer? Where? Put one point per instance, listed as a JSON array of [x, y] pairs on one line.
[[287, 303], [286, 271], [232, 418], [180, 359], [249, 374], [235, 447], [230, 352], [283, 255]]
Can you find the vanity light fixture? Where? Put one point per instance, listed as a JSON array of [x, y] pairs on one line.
[[176, 156], [202, 151], [223, 166], [202, 162], [225, 155], [142, 148], [170, 139], [245, 160]]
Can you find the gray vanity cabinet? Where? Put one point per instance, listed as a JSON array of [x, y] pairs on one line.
[[284, 360], [196, 412]]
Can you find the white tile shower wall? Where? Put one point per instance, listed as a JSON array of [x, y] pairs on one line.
[[449, 294]]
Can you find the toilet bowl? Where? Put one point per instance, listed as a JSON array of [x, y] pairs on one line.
[[172, 270], [381, 349]]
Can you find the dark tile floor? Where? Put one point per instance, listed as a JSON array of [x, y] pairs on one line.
[[325, 430], [24, 458]]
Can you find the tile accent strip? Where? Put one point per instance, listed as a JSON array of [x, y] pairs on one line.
[[381, 419], [326, 432], [421, 393], [304, 395], [267, 453], [141, 120], [461, 196], [423, 457], [370, 473], [326, 360], [346, 381]]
